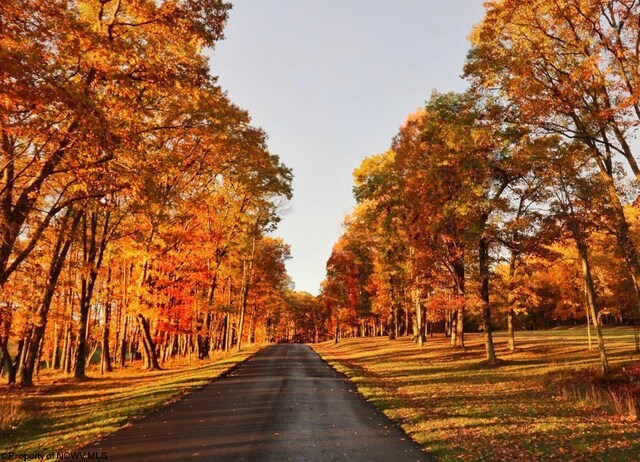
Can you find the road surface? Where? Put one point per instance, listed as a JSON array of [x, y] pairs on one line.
[[283, 404]]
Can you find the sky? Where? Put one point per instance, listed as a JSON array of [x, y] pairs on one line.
[[331, 81]]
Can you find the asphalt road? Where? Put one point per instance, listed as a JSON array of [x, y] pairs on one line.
[[283, 404]]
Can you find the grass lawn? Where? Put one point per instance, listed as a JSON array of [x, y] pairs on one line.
[[540, 404], [67, 414]]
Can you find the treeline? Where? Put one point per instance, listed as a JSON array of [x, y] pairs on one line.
[[135, 198], [512, 204]]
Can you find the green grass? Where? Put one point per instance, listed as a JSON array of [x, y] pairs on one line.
[[540, 403], [69, 414]]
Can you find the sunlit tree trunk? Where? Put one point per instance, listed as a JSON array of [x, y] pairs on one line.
[[451, 326], [123, 342], [622, 233], [93, 250], [246, 285], [55, 354], [148, 345], [587, 312], [483, 252], [407, 316], [511, 336], [420, 328], [58, 258], [459, 271], [105, 357], [590, 291], [11, 364], [227, 329], [66, 349]]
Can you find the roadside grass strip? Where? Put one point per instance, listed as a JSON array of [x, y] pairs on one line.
[[546, 401], [67, 414]]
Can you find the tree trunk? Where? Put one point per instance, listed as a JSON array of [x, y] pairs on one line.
[[396, 322], [459, 338], [483, 253], [622, 233], [149, 348], [586, 311], [459, 276], [243, 307], [227, 330], [392, 324], [93, 247], [66, 350], [81, 347], [11, 364], [511, 337], [105, 358], [417, 300], [450, 328], [583, 252], [123, 342], [248, 273], [511, 341], [590, 291], [39, 357], [134, 342], [252, 328], [60, 251], [55, 361], [213, 334], [407, 319]]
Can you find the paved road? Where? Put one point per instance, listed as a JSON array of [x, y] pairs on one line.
[[283, 404]]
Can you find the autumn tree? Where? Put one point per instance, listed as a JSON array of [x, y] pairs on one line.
[[568, 67], [309, 317], [128, 173], [577, 202], [377, 187]]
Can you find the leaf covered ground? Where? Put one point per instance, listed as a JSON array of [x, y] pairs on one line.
[[536, 405]]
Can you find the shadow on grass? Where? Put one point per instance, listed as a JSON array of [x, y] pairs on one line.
[[455, 405], [71, 413]]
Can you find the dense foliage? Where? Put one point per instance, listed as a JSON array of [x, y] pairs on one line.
[[135, 198], [511, 204]]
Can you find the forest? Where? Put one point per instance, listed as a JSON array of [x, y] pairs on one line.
[[512, 205], [139, 208], [136, 199]]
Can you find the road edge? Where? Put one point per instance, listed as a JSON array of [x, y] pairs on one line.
[[135, 418], [359, 393]]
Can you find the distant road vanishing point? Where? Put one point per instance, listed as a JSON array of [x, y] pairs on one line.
[[283, 404]]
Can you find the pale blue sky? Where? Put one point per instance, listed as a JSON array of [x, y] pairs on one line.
[[331, 81]]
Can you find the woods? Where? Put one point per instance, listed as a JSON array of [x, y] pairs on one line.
[[139, 208], [511, 205], [136, 198]]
